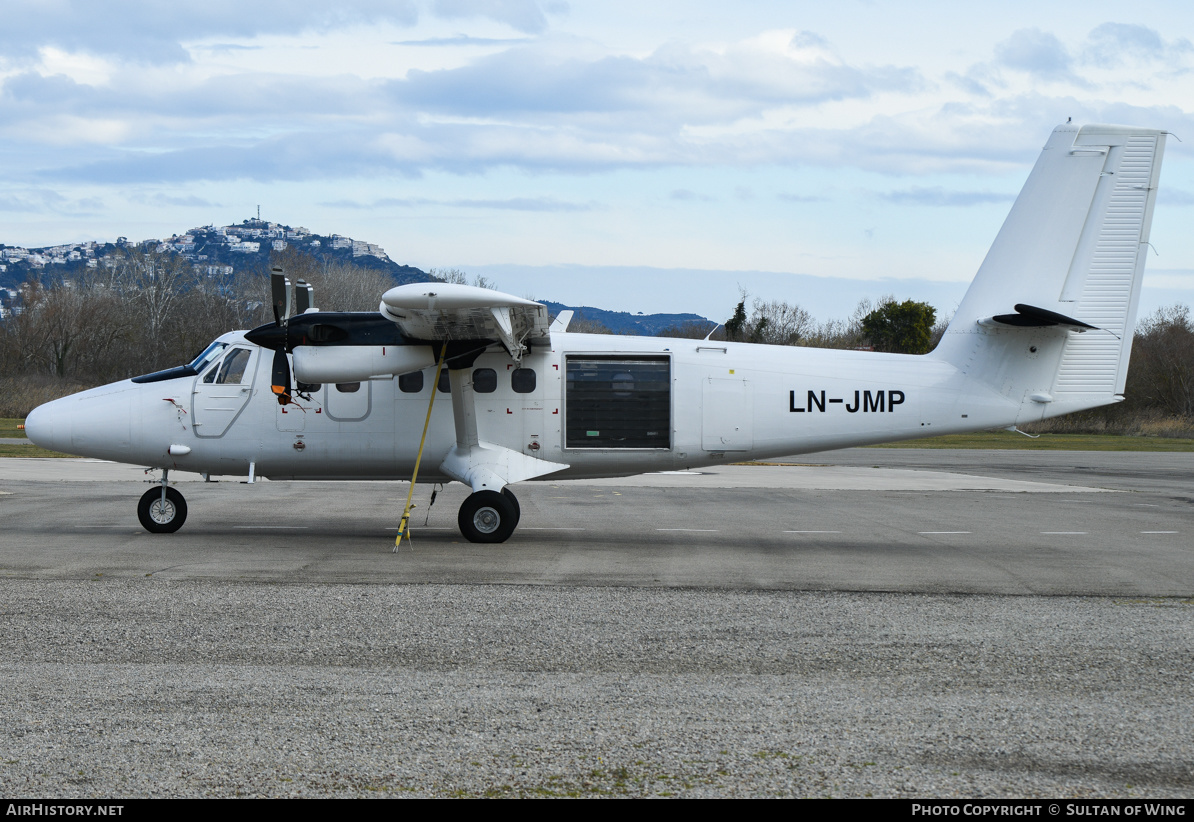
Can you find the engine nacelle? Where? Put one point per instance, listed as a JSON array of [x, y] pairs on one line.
[[355, 363]]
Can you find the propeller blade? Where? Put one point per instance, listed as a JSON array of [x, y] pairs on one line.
[[280, 290], [281, 380], [304, 296]]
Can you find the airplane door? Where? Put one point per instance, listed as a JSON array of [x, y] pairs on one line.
[[727, 423], [222, 391]]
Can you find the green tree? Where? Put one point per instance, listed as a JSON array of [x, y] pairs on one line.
[[900, 328], [736, 326]]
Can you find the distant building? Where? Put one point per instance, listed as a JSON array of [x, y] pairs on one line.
[[361, 249]]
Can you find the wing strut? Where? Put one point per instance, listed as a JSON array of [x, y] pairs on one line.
[[404, 523]]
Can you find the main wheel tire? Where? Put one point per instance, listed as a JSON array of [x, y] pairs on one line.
[[508, 494], [159, 518], [487, 516]]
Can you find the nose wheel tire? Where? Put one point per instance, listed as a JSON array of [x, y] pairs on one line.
[[487, 516], [158, 517]]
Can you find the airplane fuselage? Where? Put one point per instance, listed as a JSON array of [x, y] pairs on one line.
[[604, 406]]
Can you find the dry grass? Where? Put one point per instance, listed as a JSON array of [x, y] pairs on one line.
[[1011, 441], [1112, 420], [21, 394]]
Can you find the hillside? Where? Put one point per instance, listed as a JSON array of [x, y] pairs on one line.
[[623, 322], [215, 250], [247, 246]]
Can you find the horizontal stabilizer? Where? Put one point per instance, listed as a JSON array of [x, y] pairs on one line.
[[1029, 316]]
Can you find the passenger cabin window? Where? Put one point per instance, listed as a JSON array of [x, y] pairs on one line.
[[444, 386], [231, 370], [411, 383], [618, 402], [348, 387], [485, 381], [522, 380]]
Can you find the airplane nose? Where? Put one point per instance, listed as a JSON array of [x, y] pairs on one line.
[[39, 425]]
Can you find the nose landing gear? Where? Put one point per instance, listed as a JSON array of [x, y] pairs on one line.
[[162, 510]]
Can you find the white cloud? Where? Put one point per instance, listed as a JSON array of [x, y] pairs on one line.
[[523, 15], [629, 127], [1111, 44], [1036, 52]]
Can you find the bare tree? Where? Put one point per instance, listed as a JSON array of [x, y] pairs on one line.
[[1161, 374], [770, 323], [778, 323], [457, 277], [153, 283], [339, 286]]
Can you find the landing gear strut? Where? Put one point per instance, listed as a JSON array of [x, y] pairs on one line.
[[162, 510], [489, 516]]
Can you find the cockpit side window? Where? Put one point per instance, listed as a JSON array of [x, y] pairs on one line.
[[231, 370]]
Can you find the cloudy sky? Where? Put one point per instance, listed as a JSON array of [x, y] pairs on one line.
[[644, 156]]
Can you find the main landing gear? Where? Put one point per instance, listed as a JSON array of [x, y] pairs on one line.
[[489, 516]]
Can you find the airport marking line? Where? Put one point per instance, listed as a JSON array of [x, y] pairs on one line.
[[273, 527], [1158, 532], [1063, 532], [691, 530], [944, 532], [812, 532]]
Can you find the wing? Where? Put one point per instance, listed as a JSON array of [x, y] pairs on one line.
[[444, 311]]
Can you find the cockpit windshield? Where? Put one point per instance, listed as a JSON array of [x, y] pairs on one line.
[[212, 351], [191, 369]]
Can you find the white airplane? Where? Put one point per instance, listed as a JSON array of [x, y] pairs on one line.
[[1045, 329]]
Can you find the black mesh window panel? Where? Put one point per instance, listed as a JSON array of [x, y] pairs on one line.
[[619, 402]]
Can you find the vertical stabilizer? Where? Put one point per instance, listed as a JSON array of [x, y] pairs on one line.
[[1052, 311]]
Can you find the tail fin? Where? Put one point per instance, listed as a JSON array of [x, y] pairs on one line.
[[1049, 319]]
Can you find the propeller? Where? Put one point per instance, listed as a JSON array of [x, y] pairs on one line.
[[277, 336], [280, 288], [304, 296]]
